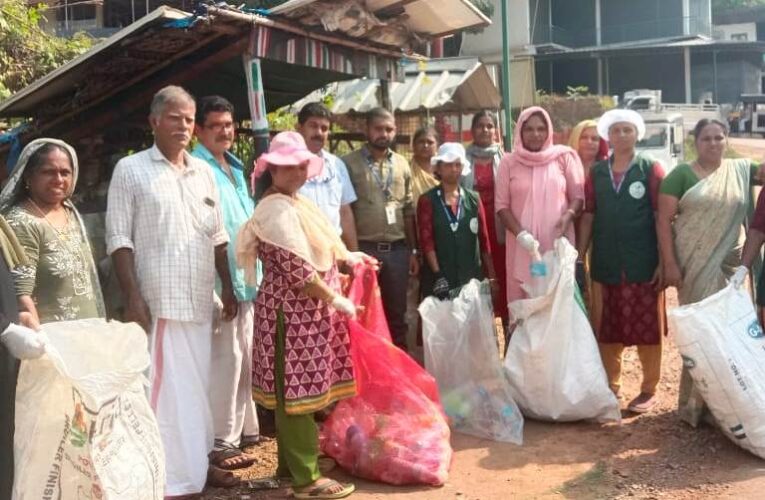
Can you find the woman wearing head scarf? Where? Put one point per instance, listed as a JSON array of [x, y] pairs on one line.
[[591, 148], [539, 194], [16, 342], [703, 207], [453, 234], [59, 282], [484, 156], [621, 198], [300, 316]]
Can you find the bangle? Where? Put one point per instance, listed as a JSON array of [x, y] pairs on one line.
[[415, 251], [571, 211]]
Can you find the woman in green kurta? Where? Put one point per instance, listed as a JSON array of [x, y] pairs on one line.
[[703, 207], [60, 283], [453, 234]]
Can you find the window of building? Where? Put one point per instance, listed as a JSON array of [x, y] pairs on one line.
[[739, 37]]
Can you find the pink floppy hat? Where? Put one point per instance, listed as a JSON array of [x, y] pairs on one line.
[[288, 148]]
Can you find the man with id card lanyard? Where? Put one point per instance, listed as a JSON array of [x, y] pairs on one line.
[[384, 214]]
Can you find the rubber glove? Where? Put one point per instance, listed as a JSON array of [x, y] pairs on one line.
[[527, 241], [23, 342], [739, 276], [344, 305]]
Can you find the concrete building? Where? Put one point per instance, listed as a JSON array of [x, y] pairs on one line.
[[612, 46]]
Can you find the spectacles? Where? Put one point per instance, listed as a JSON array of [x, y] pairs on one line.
[[217, 127]]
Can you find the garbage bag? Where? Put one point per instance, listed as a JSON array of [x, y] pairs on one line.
[[723, 347], [552, 360], [394, 430], [84, 428], [461, 353]]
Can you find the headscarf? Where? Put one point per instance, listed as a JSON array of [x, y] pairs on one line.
[[549, 151], [539, 214], [15, 183], [293, 224], [576, 134]]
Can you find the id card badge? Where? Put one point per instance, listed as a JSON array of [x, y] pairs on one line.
[[390, 214]]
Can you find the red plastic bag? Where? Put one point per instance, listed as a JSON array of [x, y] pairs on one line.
[[394, 430]]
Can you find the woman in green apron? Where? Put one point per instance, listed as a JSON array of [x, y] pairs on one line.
[[453, 234]]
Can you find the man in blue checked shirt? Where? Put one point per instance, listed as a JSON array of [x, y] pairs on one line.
[[331, 190], [234, 416]]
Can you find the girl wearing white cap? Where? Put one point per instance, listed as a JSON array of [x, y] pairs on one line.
[[453, 234], [621, 196]]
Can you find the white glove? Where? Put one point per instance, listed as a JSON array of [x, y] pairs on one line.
[[739, 276], [23, 342], [344, 305], [361, 258], [527, 242]]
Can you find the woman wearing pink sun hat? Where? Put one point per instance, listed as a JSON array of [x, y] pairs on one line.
[[301, 346]]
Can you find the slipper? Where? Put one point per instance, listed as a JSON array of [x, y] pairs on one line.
[[321, 491], [643, 403], [221, 478], [230, 459]]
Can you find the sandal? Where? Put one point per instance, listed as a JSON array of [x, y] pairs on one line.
[[320, 490], [230, 459], [643, 403], [252, 442], [221, 478]]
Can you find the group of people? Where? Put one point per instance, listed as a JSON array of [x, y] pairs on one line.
[[240, 285]]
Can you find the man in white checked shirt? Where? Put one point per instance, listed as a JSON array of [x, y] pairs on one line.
[[166, 237]]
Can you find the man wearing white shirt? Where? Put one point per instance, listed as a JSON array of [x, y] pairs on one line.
[[332, 190], [166, 237]]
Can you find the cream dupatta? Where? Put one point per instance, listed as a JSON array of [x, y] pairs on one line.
[[708, 228], [293, 224]]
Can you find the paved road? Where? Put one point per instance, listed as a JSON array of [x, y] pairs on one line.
[[749, 147]]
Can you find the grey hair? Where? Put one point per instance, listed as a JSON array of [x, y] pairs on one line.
[[167, 95]]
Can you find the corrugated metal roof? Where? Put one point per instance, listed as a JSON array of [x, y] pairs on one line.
[[431, 18], [447, 84]]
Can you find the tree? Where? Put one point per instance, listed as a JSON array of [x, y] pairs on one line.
[[732, 4], [27, 52]]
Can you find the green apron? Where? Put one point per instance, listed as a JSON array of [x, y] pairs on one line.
[[456, 241]]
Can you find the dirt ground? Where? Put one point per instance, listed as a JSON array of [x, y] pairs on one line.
[[646, 457], [653, 456]]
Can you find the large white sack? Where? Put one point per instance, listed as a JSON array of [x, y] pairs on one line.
[[723, 347], [461, 353], [552, 360], [84, 428]]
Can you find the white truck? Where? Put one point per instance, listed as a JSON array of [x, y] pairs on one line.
[[664, 139], [649, 101]]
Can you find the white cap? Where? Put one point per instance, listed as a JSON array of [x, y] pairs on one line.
[[450, 152], [620, 116]]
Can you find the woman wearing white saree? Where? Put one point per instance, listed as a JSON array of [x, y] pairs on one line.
[[703, 207]]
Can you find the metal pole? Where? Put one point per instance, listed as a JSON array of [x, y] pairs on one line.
[[506, 103]]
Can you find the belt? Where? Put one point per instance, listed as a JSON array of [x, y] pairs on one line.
[[384, 246]]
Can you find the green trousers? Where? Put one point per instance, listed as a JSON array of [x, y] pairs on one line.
[[297, 437]]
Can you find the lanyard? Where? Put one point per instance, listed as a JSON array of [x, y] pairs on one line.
[[454, 220], [386, 186], [618, 187]]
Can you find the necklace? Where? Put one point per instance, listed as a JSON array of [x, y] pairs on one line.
[[62, 234]]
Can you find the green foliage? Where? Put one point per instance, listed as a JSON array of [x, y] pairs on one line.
[[26, 51], [733, 4]]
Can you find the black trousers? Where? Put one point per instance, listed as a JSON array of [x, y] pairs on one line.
[[393, 279]]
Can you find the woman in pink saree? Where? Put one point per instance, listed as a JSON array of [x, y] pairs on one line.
[[539, 193]]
